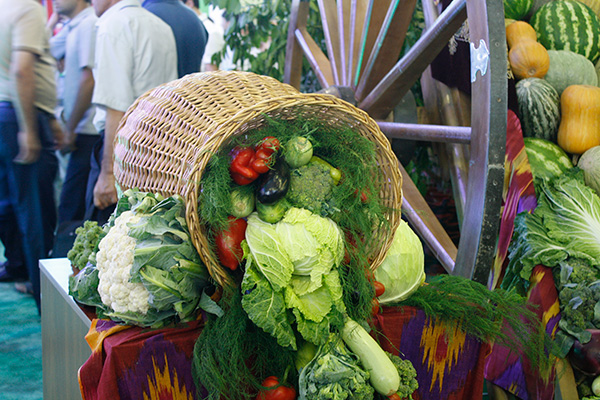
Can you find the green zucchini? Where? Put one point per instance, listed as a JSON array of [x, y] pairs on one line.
[[384, 375]]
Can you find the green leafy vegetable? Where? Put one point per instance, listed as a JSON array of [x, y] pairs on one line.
[[147, 273], [291, 276], [84, 286], [334, 374], [408, 376], [403, 269], [85, 244], [566, 223]]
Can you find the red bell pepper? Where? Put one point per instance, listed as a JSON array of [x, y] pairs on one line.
[[229, 243], [239, 168]]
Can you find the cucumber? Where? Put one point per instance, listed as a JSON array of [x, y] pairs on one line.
[[384, 375]]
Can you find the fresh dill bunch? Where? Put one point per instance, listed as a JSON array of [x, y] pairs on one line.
[[232, 356], [487, 315]]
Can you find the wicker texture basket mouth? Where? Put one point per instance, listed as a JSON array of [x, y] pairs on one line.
[[166, 138]]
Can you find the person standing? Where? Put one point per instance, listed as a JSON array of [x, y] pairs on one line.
[[135, 52], [189, 31], [28, 130], [77, 112]]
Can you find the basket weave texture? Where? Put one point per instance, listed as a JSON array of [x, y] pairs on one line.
[[167, 137]]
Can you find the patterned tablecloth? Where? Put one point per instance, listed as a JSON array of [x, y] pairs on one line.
[[139, 364]]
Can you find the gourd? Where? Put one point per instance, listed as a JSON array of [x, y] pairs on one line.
[[529, 59], [579, 128], [384, 375], [589, 162], [518, 32], [568, 68], [539, 107]]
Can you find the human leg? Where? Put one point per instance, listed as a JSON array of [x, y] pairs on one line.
[[72, 198], [23, 188]]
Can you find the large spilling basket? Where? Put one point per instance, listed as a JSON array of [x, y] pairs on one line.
[[167, 137]]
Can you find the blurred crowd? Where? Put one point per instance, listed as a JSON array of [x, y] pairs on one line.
[[65, 83]]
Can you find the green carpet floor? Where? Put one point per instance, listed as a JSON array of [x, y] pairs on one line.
[[20, 345]]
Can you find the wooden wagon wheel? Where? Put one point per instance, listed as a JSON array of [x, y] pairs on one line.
[[364, 40]]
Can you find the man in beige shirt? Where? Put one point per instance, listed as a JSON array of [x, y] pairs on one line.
[[28, 132]]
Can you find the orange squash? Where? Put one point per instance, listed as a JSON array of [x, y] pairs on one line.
[[579, 128], [529, 59], [518, 32]]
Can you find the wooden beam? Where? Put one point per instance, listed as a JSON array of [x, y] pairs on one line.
[[382, 99], [292, 72], [387, 48], [316, 58]]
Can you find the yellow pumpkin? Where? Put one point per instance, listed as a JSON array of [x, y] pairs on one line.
[[529, 59], [579, 128], [518, 32]]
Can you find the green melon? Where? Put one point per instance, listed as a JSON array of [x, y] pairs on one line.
[[547, 159], [539, 108], [568, 25], [517, 9], [589, 162], [568, 68]]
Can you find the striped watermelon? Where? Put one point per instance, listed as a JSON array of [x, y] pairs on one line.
[[568, 25], [517, 9], [547, 159], [539, 107]]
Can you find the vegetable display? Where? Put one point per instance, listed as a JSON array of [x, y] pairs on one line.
[[403, 269], [568, 25], [539, 107], [546, 159], [579, 128], [300, 267], [146, 270], [565, 224], [589, 162]]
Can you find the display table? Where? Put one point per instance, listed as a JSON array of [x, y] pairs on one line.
[[64, 326], [131, 363]]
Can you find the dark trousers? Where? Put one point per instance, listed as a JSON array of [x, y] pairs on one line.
[[72, 203], [92, 212], [29, 191]]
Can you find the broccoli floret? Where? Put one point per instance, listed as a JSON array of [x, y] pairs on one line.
[[582, 272], [574, 318], [311, 187], [408, 376], [86, 243]]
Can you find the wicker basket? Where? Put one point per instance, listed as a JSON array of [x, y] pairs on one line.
[[167, 136]]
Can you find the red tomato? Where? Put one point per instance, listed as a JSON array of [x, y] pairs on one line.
[[228, 241], [379, 288], [375, 307], [395, 396], [279, 392]]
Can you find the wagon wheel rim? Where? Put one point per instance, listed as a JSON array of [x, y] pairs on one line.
[[378, 84]]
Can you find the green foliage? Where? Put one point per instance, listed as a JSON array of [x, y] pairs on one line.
[[566, 223], [86, 243], [252, 24], [334, 373], [347, 151], [232, 356], [408, 376], [483, 314], [311, 187]]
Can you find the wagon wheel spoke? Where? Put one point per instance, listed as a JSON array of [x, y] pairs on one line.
[[382, 99], [363, 65]]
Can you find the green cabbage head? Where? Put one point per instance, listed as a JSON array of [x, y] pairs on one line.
[[302, 244], [403, 269]]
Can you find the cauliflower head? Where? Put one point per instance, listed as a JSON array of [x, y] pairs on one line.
[[114, 261]]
